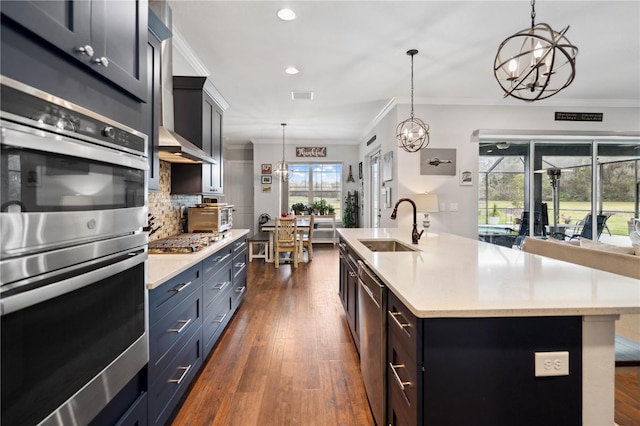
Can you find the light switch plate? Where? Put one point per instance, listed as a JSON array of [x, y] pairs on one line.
[[552, 364]]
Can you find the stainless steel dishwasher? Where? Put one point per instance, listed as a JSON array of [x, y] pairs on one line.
[[372, 306]]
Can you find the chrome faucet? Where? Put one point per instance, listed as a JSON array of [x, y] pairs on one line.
[[415, 235]]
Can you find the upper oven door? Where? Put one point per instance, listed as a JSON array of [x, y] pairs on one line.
[[58, 191]]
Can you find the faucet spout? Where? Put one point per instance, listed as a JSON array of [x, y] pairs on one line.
[[415, 235]]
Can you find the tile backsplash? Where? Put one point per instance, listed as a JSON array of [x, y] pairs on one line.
[[166, 207]]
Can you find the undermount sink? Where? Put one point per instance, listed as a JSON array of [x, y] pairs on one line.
[[386, 245]]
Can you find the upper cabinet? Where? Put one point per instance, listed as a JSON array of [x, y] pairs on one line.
[[108, 37], [198, 118]]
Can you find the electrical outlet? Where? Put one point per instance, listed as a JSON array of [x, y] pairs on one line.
[[552, 364]]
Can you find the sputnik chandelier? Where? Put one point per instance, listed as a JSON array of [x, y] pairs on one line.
[[528, 61], [412, 133]]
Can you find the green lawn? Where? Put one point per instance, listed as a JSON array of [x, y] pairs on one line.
[[617, 223]]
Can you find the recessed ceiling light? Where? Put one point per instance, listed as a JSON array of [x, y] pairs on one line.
[[286, 14], [292, 70]]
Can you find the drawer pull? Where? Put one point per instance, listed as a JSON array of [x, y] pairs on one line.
[[182, 376], [240, 265], [221, 258], [184, 323], [238, 246], [403, 325], [221, 285], [241, 290], [352, 274], [220, 318], [181, 287], [400, 383]]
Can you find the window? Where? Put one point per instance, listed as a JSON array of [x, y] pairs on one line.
[[311, 182]]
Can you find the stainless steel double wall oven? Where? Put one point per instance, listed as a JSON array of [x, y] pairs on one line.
[[72, 258]]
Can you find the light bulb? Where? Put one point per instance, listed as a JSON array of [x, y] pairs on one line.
[[421, 132], [513, 66], [538, 51], [548, 61]]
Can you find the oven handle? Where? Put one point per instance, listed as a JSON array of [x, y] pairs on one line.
[[104, 268], [39, 140]]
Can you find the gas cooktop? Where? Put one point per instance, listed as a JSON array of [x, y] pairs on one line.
[[184, 243]]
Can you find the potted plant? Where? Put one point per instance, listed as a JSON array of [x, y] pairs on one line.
[[299, 208], [349, 214], [316, 207], [494, 215], [331, 209]]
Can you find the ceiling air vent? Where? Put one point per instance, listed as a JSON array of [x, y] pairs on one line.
[[306, 96]]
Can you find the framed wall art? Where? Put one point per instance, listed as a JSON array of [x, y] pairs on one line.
[[266, 179], [266, 169], [466, 177], [438, 162]]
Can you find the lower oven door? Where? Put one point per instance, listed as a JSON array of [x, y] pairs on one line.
[[70, 342]]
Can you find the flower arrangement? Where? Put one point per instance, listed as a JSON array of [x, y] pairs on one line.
[[565, 219]]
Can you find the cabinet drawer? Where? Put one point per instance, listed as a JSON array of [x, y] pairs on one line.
[[212, 264], [402, 324], [166, 296], [402, 382], [216, 320], [166, 391], [173, 328], [399, 413], [239, 289], [239, 264], [136, 415], [217, 285], [239, 245]]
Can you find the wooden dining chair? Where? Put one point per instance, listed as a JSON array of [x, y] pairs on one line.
[[305, 239], [285, 239]]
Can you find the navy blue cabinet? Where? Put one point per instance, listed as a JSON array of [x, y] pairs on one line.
[[175, 347], [106, 37], [187, 315]]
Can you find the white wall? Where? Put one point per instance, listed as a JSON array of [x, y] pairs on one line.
[[270, 152], [451, 127]]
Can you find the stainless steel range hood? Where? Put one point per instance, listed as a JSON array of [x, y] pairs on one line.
[[176, 149], [173, 148]]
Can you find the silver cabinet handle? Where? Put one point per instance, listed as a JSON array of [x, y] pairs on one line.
[[242, 244], [102, 61], [182, 376], [403, 325], [181, 287], [352, 274], [400, 383], [240, 265], [86, 50], [220, 318], [221, 285], [241, 290], [221, 258], [184, 323]]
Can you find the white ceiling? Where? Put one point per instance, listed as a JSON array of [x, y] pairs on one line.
[[352, 55]]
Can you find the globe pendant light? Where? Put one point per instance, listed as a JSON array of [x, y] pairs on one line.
[[282, 168], [412, 133], [528, 61]]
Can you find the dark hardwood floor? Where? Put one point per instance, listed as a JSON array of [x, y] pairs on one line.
[[287, 357]]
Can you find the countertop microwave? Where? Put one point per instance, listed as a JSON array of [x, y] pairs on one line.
[[210, 219]]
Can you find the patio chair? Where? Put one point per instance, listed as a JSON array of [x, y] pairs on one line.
[[285, 239], [585, 231]]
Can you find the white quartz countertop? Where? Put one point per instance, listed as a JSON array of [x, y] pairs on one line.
[[452, 276], [163, 267]]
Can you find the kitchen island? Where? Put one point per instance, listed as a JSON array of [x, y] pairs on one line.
[[482, 312]]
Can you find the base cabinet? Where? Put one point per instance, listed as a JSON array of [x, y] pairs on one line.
[[187, 315], [485, 365], [348, 289]]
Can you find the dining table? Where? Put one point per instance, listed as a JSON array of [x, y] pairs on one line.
[[302, 225]]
